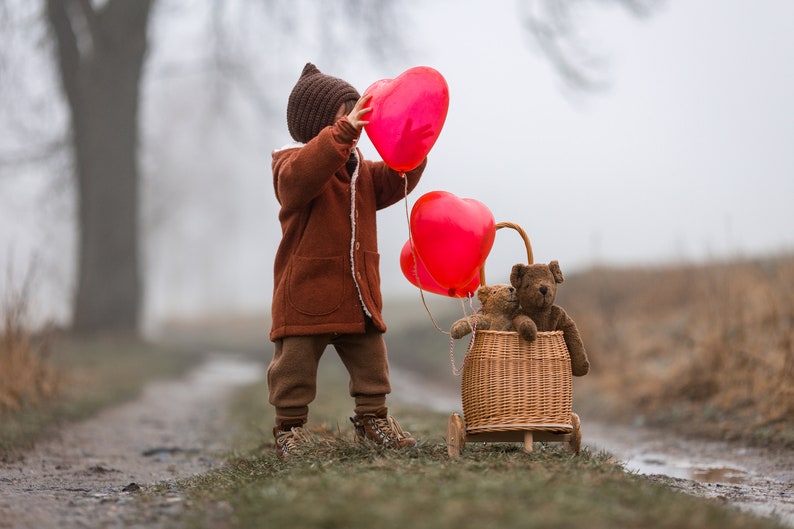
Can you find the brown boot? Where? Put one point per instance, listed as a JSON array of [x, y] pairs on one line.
[[291, 439], [382, 429]]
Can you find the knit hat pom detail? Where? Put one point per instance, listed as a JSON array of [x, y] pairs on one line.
[[314, 102]]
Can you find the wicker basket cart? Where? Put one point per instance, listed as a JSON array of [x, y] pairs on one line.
[[513, 390]]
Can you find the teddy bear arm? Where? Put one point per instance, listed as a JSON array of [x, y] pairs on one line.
[[580, 365], [525, 327], [460, 328], [464, 326]]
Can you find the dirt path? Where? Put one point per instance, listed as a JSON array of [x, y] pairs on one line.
[[86, 476]]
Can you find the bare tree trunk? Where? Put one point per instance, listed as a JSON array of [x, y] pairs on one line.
[[100, 54]]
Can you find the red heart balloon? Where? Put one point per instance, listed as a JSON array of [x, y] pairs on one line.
[[452, 236], [407, 115], [414, 271]]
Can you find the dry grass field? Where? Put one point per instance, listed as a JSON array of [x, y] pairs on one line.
[[27, 377], [708, 348]]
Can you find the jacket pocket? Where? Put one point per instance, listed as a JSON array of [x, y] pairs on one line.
[[316, 285]]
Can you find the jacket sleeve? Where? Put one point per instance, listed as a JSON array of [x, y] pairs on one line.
[[389, 185], [300, 174]]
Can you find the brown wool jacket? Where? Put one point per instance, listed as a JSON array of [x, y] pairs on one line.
[[327, 270]]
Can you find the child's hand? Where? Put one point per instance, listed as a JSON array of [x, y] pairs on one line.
[[359, 111]]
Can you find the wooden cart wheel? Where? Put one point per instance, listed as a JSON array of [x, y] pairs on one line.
[[576, 434], [456, 435]]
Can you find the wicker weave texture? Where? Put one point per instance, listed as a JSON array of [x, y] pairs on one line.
[[511, 384]]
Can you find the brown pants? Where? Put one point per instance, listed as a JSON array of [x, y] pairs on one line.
[[292, 374]]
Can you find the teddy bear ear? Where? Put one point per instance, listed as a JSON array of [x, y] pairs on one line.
[[517, 273], [554, 266], [483, 293]]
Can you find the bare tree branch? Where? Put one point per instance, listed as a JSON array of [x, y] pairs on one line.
[[370, 20], [553, 28], [641, 8], [34, 154], [67, 50]]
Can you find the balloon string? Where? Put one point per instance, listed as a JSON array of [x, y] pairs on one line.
[[455, 371], [415, 259]]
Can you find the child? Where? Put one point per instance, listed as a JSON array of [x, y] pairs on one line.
[[326, 273]]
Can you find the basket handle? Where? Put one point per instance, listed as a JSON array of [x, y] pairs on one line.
[[520, 230]]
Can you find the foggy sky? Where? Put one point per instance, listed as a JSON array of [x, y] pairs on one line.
[[686, 156]]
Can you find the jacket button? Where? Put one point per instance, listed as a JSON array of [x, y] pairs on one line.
[[358, 275], [358, 245]]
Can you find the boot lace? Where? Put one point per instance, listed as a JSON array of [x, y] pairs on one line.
[[383, 430], [290, 441], [390, 429]]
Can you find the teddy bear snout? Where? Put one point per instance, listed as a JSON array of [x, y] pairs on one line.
[[543, 289]]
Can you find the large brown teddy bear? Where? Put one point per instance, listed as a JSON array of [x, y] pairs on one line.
[[536, 286], [499, 307]]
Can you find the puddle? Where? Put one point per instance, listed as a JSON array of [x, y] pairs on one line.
[[719, 475], [713, 472]]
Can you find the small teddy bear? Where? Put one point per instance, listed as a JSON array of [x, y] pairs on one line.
[[536, 287], [499, 307]]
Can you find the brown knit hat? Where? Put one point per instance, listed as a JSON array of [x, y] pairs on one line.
[[314, 102]]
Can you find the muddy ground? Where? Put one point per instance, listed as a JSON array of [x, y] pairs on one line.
[[753, 479], [87, 476]]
